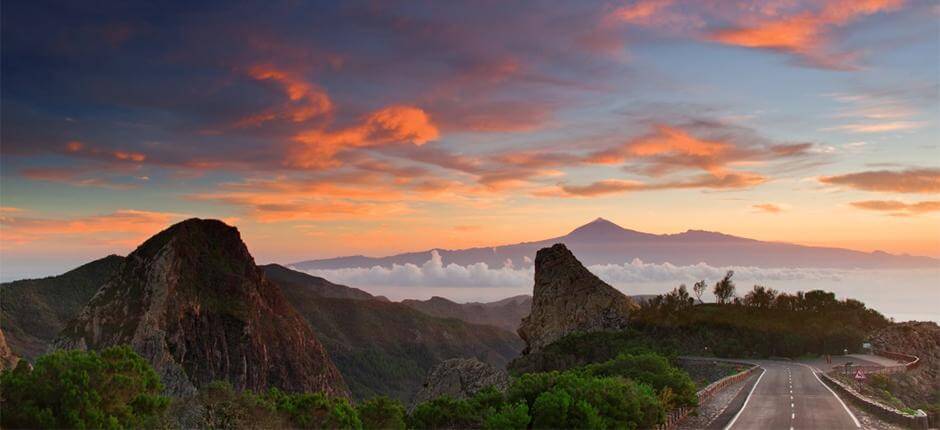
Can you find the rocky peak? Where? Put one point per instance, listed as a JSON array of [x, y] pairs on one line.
[[191, 300], [568, 298], [461, 378]]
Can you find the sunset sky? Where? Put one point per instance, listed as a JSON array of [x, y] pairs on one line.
[[335, 128]]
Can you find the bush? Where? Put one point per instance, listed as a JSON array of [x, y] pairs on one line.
[[443, 413], [382, 413], [314, 410], [654, 370], [574, 399], [510, 417], [77, 389], [224, 407]]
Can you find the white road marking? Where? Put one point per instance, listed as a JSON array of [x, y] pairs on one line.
[[793, 416], [747, 399], [851, 415]]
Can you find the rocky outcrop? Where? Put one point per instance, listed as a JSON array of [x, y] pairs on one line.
[[461, 378], [567, 298], [7, 359], [192, 302], [920, 385]]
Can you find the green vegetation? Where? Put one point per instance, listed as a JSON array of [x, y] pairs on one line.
[[118, 389], [763, 323], [77, 389], [635, 389]]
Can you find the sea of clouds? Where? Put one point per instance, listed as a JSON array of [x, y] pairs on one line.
[[434, 273]]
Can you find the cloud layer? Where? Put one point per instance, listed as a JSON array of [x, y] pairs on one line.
[[434, 273]]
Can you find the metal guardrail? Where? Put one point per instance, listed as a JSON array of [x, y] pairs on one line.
[[910, 361], [675, 416]]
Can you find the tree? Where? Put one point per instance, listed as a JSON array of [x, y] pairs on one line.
[[444, 413], [760, 297], [724, 289], [83, 389], [699, 289], [510, 417], [314, 410], [382, 413]]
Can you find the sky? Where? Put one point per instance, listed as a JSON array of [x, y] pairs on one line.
[[333, 128]]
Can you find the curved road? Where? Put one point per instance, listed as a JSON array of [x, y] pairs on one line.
[[790, 396]]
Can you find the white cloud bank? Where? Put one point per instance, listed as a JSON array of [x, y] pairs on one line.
[[434, 273]]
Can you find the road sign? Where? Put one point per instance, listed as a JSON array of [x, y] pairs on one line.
[[859, 375]]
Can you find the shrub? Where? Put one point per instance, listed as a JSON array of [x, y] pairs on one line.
[[579, 400], [444, 412], [513, 416], [654, 370], [382, 413], [314, 410], [77, 389]]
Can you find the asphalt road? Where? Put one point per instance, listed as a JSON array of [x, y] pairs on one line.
[[789, 396]]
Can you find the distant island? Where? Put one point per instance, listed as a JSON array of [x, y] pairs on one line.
[[604, 242]]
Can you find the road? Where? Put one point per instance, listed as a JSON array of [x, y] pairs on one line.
[[789, 396]]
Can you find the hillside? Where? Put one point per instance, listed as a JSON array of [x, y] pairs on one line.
[[506, 313], [385, 348], [603, 242], [34, 311]]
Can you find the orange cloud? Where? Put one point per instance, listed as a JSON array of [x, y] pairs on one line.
[[898, 208], [651, 13], [903, 181], [614, 186], [803, 33], [768, 208], [306, 101], [607, 186], [668, 148], [125, 227], [80, 148], [388, 125]]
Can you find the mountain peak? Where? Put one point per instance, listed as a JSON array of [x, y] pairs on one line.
[[598, 225], [603, 230], [192, 302]]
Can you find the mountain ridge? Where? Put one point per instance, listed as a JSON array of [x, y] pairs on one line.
[[604, 242]]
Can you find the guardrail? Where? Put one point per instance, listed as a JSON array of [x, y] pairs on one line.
[[910, 361], [918, 421], [674, 417]]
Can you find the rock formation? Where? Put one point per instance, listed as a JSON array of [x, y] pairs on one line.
[[7, 358], [461, 378], [192, 302], [567, 298]]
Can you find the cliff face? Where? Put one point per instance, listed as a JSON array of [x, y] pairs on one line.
[[7, 358], [192, 302], [567, 298]]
